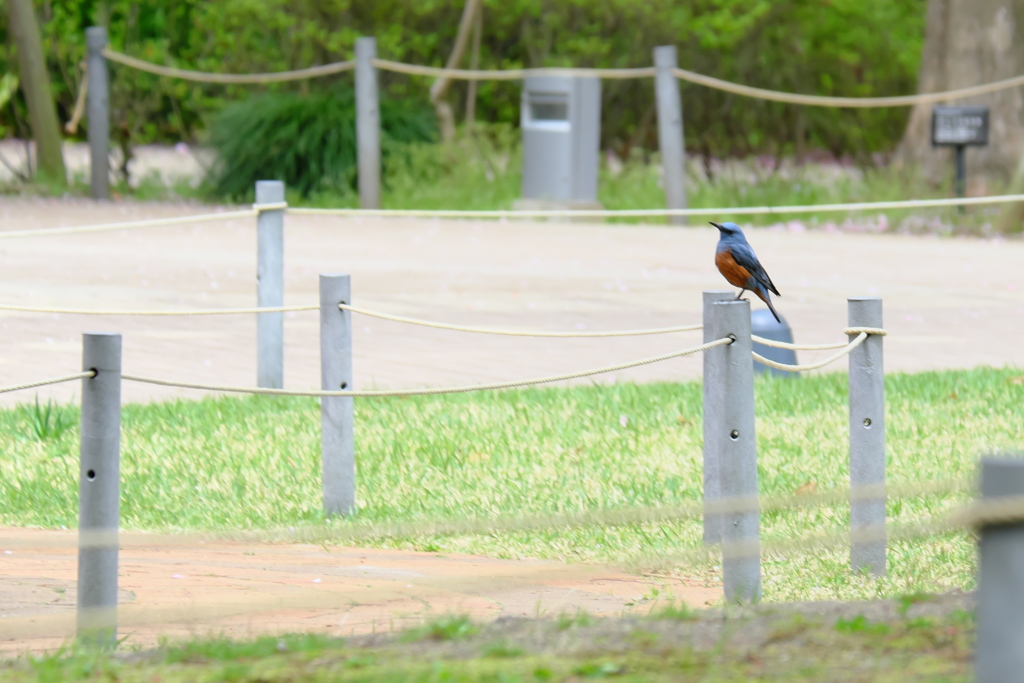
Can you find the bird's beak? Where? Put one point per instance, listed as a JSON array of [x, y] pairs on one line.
[[715, 224]]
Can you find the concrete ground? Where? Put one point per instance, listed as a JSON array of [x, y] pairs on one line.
[[949, 303]]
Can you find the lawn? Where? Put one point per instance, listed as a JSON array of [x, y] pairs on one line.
[[253, 463], [913, 638]]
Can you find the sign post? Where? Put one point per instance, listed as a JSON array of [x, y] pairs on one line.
[[959, 127]]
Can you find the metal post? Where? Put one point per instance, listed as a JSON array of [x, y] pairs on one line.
[[732, 412], [99, 113], [337, 437], [867, 441], [713, 360], [670, 130], [961, 174], [99, 489], [270, 286], [999, 650], [367, 123]]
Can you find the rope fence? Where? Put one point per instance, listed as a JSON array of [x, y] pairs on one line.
[[437, 390], [662, 213], [44, 382], [531, 213], [208, 77], [519, 74], [516, 333], [131, 312]]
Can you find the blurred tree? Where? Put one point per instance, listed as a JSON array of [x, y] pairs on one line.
[[35, 82], [969, 42]]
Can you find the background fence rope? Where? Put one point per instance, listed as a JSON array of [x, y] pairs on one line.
[[437, 390], [660, 213], [845, 102], [519, 74], [356, 530], [511, 74], [207, 77], [516, 333], [812, 366], [52, 380], [146, 223], [201, 311], [796, 347]]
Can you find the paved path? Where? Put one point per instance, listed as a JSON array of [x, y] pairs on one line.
[[240, 589], [949, 302]]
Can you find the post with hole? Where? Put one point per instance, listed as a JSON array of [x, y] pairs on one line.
[[867, 441], [99, 490], [732, 415], [670, 130], [270, 286], [999, 651], [337, 437], [711, 383], [367, 124], [98, 108]]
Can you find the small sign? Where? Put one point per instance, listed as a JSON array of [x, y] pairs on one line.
[[959, 126]]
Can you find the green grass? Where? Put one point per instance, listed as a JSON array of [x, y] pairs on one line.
[[253, 463], [716, 647]]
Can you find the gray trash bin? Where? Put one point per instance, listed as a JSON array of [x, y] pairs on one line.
[[561, 128], [763, 324]]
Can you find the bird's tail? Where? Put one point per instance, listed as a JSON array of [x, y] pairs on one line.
[[767, 298]]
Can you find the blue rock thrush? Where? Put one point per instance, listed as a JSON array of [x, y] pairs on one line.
[[738, 264]]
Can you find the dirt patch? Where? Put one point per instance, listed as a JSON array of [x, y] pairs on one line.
[[243, 589]]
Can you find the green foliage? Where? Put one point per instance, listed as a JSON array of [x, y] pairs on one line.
[[840, 47], [450, 627], [308, 141], [48, 421]]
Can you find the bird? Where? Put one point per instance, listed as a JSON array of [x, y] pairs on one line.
[[738, 264]]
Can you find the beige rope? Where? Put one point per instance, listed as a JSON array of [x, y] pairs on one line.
[[516, 333], [846, 102], [52, 380], [147, 223], [658, 213], [795, 347], [817, 347], [112, 311], [356, 531], [510, 74], [812, 366], [438, 390], [878, 331], [207, 77], [991, 512]]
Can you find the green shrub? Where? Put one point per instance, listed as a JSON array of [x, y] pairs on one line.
[[308, 141]]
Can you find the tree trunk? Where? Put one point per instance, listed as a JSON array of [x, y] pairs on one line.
[[35, 82], [970, 42], [439, 90]]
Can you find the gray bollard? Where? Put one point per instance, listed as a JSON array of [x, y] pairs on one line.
[[732, 416], [98, 108], [337, 435], [270, 286], [367, 124], [764, 324], [867, 442], [99, 490], [713, 362], [999, 652], [670, 130]]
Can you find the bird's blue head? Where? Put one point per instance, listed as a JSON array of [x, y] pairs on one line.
[[728, 229]]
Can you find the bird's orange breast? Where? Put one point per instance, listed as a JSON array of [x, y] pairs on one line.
[[737, 275]]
